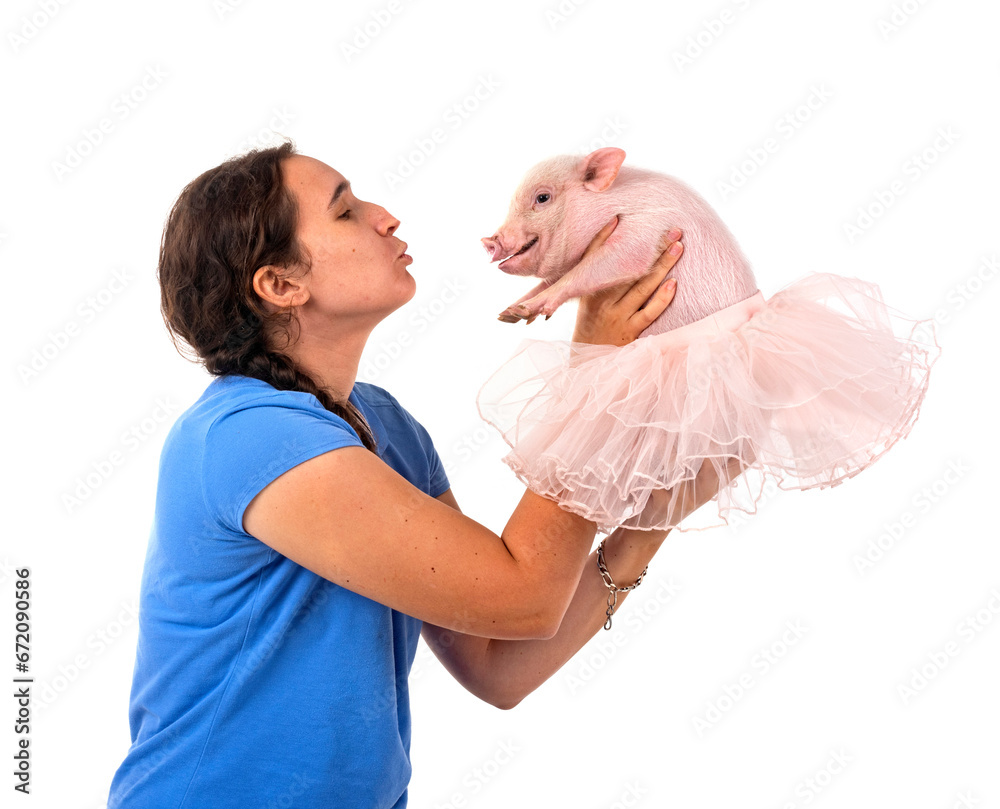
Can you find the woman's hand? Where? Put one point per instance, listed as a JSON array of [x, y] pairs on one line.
[[619, 314], [684, 499]]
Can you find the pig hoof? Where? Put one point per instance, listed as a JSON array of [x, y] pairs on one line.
[[508, 317]]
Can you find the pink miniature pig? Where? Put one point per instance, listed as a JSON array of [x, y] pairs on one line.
[[807, 387], [563, 202]]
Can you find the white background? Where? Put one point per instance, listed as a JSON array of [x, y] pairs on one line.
[[617, 726]]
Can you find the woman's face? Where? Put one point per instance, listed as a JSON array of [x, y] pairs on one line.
[[358, 266]]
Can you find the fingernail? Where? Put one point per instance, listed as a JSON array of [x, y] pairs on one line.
[[674, 234], [671, 283], [675, 249]]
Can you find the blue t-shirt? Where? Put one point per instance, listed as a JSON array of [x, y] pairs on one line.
[[258, 683]]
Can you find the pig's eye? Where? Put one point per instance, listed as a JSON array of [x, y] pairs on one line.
[[542, 198]]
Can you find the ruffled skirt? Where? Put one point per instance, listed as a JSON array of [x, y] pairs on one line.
[[807, 388]]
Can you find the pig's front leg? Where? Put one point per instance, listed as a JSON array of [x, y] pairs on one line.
[[509, 316], [627, 255]]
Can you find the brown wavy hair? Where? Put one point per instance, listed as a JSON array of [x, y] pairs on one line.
[[224, 226]]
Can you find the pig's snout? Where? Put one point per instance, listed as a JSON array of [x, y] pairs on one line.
[[493, 247]]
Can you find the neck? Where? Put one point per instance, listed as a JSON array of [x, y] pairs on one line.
[[330, 355]]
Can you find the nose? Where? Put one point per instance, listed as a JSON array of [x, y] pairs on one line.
[[493, 246], [385, 222]]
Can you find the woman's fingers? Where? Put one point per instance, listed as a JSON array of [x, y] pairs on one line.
[[644, 287], [650, 295], [617, 315], [601, 237], [655, 304], [636, 293]]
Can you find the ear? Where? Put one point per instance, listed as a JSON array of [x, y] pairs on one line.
[[279, 290], [600, 168]]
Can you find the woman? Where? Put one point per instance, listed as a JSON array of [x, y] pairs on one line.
[[285, 583]]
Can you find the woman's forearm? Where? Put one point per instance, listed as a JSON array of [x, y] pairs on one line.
[[503, 672]]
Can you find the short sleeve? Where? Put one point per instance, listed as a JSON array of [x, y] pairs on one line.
[[414, 439], [439, 482], [247, 449]]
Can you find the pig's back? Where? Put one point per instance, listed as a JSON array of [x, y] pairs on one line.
[[712, 273]]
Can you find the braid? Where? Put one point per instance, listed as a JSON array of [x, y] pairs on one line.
[[226, 224], [278, 370]]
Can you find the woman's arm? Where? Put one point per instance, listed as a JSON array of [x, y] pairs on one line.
[[350, 518], [503, 672]]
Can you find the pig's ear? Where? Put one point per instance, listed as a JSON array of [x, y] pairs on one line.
[[601, 167]]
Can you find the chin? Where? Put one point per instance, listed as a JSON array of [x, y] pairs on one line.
[[408, 289], [395, 294], [514, 267]]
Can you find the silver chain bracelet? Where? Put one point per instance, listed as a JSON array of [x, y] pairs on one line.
[[613, 591]]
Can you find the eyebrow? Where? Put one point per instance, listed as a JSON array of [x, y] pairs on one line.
[[336, 194]]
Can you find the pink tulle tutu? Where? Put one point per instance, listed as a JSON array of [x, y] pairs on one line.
[[809, 388]]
